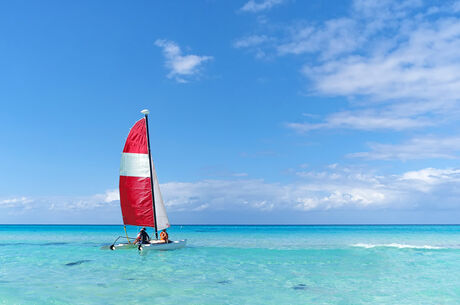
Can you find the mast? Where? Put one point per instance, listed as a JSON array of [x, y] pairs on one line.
[[146, 112]]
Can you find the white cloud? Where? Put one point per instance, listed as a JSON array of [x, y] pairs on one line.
[[416, 148], [15, 202], [346, 34], [425, 66], [97, 209], [411, 78], [254, 6], [364, 120], [112, 195], [337, 36], [335, 188], [396, 62], [433, 175], [254, 43], [181, 67], [250, 41], [439, 183]]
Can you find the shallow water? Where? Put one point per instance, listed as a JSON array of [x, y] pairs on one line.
[[233, 265]]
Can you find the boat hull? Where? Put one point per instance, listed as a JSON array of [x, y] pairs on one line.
[[172, 245]]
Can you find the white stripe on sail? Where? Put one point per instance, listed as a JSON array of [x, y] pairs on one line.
[[162, 217], [134, 165]]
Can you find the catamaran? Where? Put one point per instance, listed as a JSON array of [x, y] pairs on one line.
[[140, 196]]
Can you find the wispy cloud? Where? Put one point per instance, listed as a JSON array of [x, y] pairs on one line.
[[364, 120], [411, 77], [439, 185], [344, 35], [433, 175], [263, 196], [250, 41], [62, 202], [423, 67], [335, 37], [181, 67], [97, 208], [254, 43], [254, 6], [15, 202], [428, 147], [395, 61], [334, 188]]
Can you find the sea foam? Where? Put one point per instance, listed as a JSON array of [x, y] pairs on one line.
[[396, 245]]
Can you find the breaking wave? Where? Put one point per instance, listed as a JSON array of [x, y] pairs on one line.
[[399, 246]]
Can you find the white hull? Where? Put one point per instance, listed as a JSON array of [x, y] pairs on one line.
[[172, 245]]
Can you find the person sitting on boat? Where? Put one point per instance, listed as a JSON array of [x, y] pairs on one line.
[[164, 236], [142, 237]]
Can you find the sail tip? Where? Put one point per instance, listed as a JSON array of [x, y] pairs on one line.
[[145, 111]]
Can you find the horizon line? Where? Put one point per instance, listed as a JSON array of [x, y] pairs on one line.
[[335, 224]]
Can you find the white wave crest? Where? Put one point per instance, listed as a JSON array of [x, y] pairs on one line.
[[395, 245]]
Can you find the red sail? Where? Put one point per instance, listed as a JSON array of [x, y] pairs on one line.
[[135, 186]]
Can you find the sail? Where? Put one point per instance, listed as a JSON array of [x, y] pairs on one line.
[[135, 182], [162, 217]]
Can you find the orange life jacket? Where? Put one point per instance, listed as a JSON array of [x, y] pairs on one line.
[[164, 236]]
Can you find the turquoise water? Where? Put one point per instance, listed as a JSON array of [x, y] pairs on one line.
[[233, 265]]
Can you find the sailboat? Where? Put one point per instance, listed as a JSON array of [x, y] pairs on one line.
[[140, 196]]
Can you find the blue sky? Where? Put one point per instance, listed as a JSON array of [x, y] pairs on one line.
[[262, 111]]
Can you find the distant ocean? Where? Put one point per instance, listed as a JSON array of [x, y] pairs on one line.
[[233, 265]]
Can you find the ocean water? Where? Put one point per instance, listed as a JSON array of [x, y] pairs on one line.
[[233, 265]]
